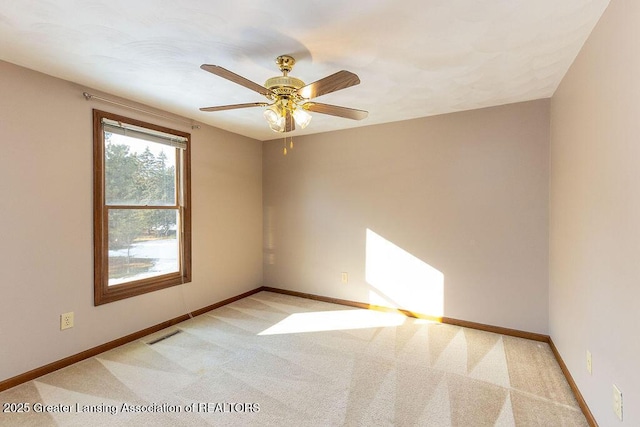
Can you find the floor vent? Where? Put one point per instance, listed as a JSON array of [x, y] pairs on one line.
[[164, 337]]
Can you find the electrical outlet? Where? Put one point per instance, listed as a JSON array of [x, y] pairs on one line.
[[617, 402], [66, 320], [589, 362], [345, 277]]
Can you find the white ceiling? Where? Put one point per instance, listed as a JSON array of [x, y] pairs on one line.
[[415, 58]]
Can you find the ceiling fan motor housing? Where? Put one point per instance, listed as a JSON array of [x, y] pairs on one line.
[[283, 85]]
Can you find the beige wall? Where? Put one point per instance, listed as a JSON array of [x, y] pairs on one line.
[[444, 215], [595, 214], [46, 224]]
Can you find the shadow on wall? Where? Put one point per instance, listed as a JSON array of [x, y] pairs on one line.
[[398, 279]]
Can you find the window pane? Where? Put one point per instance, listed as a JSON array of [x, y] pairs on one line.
[[142, 243], [142, 210], [139, 172]]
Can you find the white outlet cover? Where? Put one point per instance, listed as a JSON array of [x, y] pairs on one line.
[[617, 402], [589, 362], [66, 320]]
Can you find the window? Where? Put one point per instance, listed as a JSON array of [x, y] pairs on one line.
[[142, 216]]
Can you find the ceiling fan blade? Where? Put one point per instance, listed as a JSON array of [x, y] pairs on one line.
[[334, 110], [235, 106], [226, 74], [340, 80], [289, 123]]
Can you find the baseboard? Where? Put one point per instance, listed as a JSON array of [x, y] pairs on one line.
[[62, 363], [349, 303], [497, 329], [464, 323], [447, 320], [576, 391]]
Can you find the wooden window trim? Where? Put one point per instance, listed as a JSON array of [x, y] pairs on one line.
[[102, 292]]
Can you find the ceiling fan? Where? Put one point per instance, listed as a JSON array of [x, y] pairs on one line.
[[290, 97]]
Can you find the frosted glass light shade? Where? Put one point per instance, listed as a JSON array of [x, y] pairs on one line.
[[272, 115], [302, 118]]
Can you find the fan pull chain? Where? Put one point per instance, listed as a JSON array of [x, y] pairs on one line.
[[284, 145]]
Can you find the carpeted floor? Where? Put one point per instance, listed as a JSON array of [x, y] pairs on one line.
[[278, 360]]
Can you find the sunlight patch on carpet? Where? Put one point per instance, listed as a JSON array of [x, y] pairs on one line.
[[334, 321]]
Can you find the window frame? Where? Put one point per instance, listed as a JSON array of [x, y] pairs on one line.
[[103, 293]]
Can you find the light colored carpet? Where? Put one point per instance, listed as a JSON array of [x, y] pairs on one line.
[[277, 360]]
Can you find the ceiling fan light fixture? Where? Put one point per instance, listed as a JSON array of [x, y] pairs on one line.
[[301, 117], [278, 127], [272, 115], [275, 116]]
